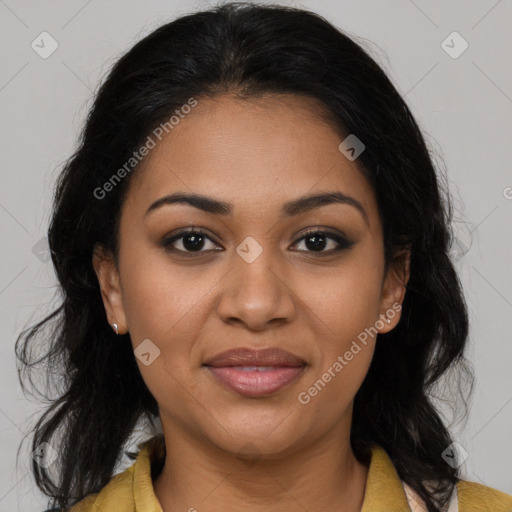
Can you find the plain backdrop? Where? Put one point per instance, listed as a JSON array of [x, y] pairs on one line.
[[461, 99]]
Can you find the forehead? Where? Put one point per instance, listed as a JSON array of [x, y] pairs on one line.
[[256, 154]]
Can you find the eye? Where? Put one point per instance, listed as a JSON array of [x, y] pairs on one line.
[[191, 240], [317, 240]]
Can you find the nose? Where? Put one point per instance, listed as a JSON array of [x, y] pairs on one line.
[[256, 294]]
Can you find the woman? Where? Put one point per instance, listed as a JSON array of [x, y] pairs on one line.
[[253, 250]]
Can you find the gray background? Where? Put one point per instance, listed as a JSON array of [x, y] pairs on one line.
[[463, 104]]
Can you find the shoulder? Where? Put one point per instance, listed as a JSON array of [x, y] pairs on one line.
[[131, 489], [118, 490], [475, 497]]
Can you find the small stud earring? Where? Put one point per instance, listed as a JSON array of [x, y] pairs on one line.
[[387, 319], [114, 326]]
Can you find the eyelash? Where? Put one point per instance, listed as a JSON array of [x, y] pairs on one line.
[[343, 243]]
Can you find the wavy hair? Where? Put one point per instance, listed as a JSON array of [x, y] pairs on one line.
[[248, 50]]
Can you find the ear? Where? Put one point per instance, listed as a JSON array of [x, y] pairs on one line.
[[111, 293], [393, 289]]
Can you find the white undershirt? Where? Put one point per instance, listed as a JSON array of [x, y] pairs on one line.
[[418, 505]]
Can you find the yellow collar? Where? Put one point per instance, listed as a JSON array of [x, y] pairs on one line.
[[384, 490]]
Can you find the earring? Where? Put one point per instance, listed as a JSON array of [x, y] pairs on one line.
[[114, 326]]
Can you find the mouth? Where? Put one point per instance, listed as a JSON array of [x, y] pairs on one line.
[[255, 373]]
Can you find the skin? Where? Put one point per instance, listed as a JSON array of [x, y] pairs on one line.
[[226, 450]]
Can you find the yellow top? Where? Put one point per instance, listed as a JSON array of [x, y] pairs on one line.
[[132, 489]]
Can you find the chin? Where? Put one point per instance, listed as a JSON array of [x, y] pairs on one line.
[[253, 440]]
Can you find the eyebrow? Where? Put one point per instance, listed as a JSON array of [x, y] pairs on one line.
[[297, 206]]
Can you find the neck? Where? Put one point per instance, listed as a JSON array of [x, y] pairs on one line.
[[322, 476]]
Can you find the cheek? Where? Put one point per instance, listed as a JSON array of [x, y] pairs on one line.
[[343, 318], [342, 310], [159, 298], [166, 306], [345, 301], [169, 305]]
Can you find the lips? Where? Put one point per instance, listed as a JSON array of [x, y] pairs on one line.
[[255, 373], [248, 357]]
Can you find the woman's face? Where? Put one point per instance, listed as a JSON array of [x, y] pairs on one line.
[[253, 279]]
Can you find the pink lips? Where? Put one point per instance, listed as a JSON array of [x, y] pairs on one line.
[[256, 373]]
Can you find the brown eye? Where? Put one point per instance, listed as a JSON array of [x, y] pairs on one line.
[[191, 240], [317, 241]]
